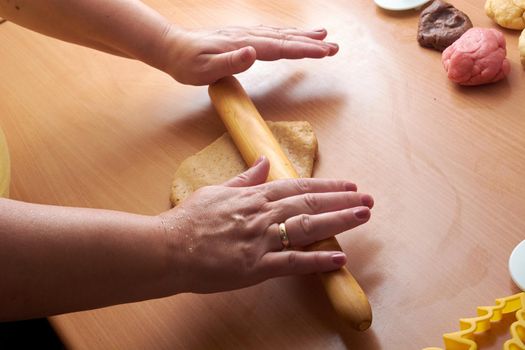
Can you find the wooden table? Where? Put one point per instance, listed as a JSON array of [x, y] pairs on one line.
[[444, 163]]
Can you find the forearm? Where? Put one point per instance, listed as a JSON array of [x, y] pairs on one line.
[[58, 259], [124, 27]]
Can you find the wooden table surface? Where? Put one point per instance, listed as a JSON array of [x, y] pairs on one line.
[[444, 163]]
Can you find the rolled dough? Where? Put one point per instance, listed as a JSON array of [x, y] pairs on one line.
[[221, 160]]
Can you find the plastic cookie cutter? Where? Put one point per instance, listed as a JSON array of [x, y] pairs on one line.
[[463, 339]]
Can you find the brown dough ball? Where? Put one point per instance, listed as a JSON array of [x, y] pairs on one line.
[[440, 25]]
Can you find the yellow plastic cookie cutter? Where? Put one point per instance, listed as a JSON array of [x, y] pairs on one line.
[[463, 339]]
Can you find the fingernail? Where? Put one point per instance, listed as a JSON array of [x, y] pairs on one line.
[[351, 187], [367, 200], [339, 259], [334, 45], [362, 213], [318, 30]]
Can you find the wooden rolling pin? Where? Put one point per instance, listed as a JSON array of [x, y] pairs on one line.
[[253, 138]]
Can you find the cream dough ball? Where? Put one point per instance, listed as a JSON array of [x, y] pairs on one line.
[[507, 13], [521, 47], [477, 57]]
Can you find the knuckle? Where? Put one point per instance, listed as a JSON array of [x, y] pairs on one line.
[[318, 260], [243, 177], [238, 221], [241, 40], [306, 224], [239, 43], [349, 199], [282, 46], [302, 185], [278, 213], [347, 217], [249, 257], [260, 197], [230, 67], [292, 260], [254, 196], [312, 202], [266, 207], [202, 68], [224, 31], [259, 203]]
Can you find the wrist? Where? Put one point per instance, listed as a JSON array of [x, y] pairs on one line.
[[147, 257], [165, 53], [172, 253]]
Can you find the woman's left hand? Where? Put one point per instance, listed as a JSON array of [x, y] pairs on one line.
[[227, 236], [201, 57]]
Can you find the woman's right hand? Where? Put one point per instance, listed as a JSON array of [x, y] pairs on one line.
[[226, 237]]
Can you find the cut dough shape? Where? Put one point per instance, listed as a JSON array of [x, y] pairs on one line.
[[220, 161]]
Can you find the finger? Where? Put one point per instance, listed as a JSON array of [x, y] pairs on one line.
[[318, 33], [255, 175], [303, 230], [280, 189], [230, 63], [282, 36], [269, 49], [316, 203], [299, 263]]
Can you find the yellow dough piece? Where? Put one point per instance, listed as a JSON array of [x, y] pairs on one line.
[[507, 13], [521, 47], [221, 160]]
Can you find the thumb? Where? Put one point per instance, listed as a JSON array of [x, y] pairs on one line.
[[233, 62], [256, 175]]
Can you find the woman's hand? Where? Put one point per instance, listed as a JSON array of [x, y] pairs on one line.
[[201, 57], [226, 237], [133, 29]]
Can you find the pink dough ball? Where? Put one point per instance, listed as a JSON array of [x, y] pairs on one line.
[[477, 57]]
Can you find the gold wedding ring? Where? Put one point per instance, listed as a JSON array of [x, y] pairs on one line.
[[284, 236]]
